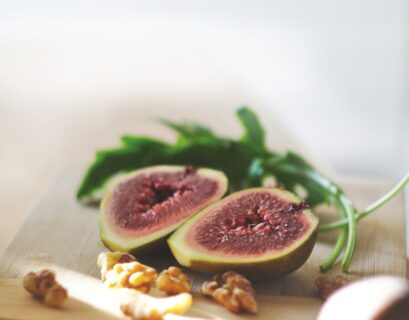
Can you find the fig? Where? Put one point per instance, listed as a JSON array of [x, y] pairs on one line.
[[377, 298], [259, 232], [144, 206]]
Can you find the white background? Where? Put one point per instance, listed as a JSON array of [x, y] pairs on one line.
[[335, 72]]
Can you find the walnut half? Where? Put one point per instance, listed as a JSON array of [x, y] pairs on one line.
[[107, 260], [133, 275], [327, 286], [43, 286], [233, 291], [121, 270], [173, 281]]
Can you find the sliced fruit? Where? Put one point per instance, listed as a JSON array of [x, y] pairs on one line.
[[260, 232], [146, 205]]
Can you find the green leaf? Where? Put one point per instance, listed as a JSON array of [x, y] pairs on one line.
[[188, 129], [292, 170], [230, 158], [253, 131], [191, 132], [256, 172], [138, 142], [110, 162]]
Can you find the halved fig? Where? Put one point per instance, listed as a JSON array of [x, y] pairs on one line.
[[146, 205], [260, 232]]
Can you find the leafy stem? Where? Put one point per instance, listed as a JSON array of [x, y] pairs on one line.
[[371, 208]]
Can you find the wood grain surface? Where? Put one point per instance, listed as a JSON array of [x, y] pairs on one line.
[[90, 300], [63, 235]]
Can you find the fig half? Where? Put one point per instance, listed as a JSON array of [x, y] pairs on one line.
[[146, 205], [260, 232]]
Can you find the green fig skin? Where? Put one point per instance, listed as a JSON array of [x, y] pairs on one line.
[[150, 247], [267, 270]]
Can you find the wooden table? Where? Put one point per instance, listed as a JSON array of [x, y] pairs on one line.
[[61, 234]]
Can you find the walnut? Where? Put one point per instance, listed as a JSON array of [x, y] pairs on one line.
[[140, 306], [134, 275], [327, 286], [232, 278], [173, 281], [107, 260], [233, 291], [209, 287], [120, 270], [43, 286]]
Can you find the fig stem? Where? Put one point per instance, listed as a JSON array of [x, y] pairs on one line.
[[351, 242], [371, 208], [339, 245], [347, 210]]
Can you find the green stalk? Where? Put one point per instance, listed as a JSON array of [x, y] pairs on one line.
[[348, 230], [371, 208], [336, 252], [350, 247]]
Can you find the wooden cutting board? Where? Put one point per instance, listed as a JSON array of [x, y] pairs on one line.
[[63, 235]]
